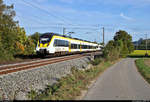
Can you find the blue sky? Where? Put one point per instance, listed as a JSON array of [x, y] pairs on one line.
[[84, 17]]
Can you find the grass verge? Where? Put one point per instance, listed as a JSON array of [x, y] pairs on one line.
[[143, 68], [70, 86]]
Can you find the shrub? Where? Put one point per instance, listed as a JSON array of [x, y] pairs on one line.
[[96, 61]]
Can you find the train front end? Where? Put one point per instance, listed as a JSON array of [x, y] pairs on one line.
[[43, 46]]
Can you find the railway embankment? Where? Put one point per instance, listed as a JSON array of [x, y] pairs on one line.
[[17, 85]]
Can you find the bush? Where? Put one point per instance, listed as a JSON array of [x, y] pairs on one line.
[[96, 61], [29, 47]]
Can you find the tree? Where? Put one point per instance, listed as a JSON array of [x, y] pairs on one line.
[[7, 27], [20, 40], [29, 46], [13, 39], [121, 46], [110, 51], [35, 37], [126, 39]]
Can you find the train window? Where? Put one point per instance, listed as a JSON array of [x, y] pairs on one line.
[[84, 46], [66, 43], [58, 43], [90, 47], [61, 43], [45, 38], [78, 46], [55, 42], [74, 46]]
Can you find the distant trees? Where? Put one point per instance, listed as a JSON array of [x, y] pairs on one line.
[[141, 44], [121, 46]]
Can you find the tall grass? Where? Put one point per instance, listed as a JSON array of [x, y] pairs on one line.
[[143, 69], [70, 86]]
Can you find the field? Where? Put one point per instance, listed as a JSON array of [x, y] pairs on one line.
[[139, 53]]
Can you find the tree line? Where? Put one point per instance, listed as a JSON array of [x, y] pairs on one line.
[[13, 38], [141, 44]]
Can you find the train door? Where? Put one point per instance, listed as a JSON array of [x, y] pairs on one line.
[[69, 46], [80, 47]]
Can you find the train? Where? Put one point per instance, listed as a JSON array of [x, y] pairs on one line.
[[56, 44]]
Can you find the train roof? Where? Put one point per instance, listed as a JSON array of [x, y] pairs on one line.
[[51, 34]]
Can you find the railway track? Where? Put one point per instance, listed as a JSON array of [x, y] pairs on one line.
[[6, 69]]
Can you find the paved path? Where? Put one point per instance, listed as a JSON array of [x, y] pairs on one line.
[[120, 82]]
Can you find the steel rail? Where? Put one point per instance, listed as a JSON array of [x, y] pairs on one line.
[[20, 67]]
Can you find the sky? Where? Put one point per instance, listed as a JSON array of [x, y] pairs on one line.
[[84, 17]]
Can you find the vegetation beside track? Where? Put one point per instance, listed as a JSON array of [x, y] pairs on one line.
[[143, 68], [13, 39], [70, 86]]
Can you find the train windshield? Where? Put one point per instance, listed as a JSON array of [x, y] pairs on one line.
[[45, 38]]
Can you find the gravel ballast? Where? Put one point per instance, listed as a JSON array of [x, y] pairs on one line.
[[17, 85]]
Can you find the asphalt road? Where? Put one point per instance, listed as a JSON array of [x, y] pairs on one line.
[[122, 81]]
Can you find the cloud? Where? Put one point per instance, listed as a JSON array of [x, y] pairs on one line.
[[125, 17]]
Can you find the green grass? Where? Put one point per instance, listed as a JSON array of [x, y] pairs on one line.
[[96, 61], [69, 87], [143, 68]]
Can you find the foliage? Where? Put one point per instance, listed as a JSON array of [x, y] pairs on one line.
[[124, 52], [126, 39], [29, 46], [20, 40], [35, 37], [13, 39], [121, 46], [111, 51], [96, 61], [7, 33]]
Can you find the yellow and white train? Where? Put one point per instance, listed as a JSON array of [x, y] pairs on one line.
[[51, 43]]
